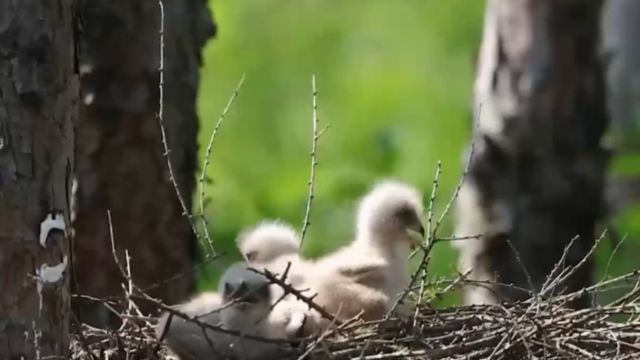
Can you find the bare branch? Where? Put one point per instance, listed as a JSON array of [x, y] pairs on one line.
[[465, 172], [314, 161], [289, 289], [163, 132], [207, 161]]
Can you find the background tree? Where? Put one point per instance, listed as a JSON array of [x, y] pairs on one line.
[[38, 92], [536, 179], [620, 40], [121, 166], [622, 47]]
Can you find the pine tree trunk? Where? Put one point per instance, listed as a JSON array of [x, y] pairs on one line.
[[38, 108], [121, 166], [536, 178]]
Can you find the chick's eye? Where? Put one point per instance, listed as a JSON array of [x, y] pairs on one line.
[[405, 215], [251, 255]]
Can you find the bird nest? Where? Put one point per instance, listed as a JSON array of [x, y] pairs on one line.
[[541, 327]]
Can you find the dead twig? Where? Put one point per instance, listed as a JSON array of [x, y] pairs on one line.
[[289, 289], [207, 161], [314, 159]]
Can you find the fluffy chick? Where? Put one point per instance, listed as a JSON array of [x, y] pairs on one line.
[[184, 338], [268, 241], [244, 306], [371, 271], [274, 245]]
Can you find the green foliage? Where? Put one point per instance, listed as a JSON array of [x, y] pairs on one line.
[[619, 254], [394, 80]]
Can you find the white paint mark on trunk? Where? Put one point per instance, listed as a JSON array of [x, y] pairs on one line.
[[52, 221], [49, 274]]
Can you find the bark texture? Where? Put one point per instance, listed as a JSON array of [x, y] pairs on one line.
[[38, 102], [121, 166], [537, 175]]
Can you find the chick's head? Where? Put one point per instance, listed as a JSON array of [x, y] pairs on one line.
[[390, 213], [267, 241], [246, 297]]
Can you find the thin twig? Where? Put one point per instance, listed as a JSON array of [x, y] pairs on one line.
[[557, 268], [207, 161], [459, 238], [165, 142], [613, 253], [430, 235], [463, 177], [113, 246], [314, 159], [323, 336], [432, 201], [523, 266], [288, 288], [191, 270], [565, 274], [426, 248]]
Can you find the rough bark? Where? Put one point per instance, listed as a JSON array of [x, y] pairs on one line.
[[38, 102], [121, 166], [536, 178]]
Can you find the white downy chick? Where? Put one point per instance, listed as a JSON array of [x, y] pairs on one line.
[[273, 245], [268, 241], [184, 338], [368, 274], [243, 306]]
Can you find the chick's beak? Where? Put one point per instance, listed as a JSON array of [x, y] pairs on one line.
[[413, 243], [416, 237]]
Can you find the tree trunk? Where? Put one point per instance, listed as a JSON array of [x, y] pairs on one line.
[[536, 177], [38, 93], [621, 31], [620, 40], [121, 166]]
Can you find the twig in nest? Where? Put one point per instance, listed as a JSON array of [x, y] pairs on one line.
[[465, 172], [314, 161], [181, 274], [421, 271], [430, 235], [571, 270], [203, 325], [523, 266], [298, 294], [163, 132], [330, 331], [207, 161]]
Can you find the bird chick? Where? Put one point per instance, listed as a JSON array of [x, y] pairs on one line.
[[243, 305], [268, 241], [368, 274], [247, 297], [185, 338], [275, 246], [389, 218]]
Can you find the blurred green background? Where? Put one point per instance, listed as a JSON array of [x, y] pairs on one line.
[[394, 81]]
